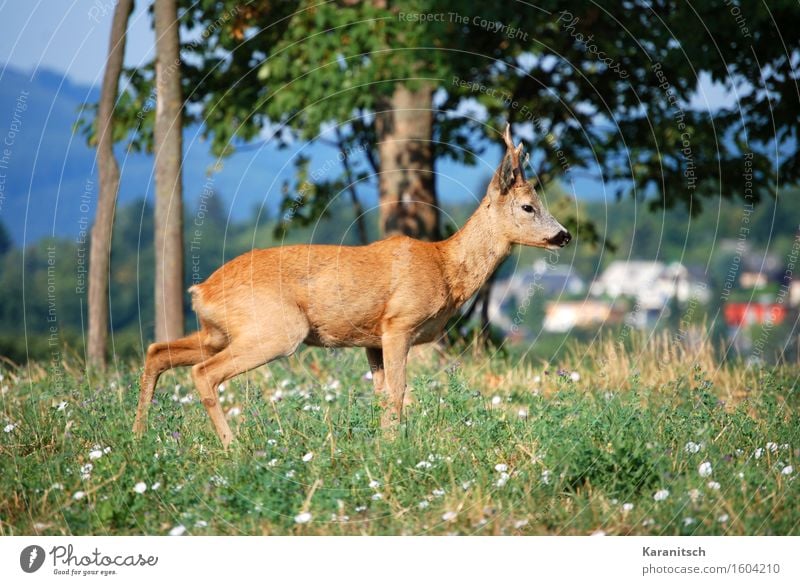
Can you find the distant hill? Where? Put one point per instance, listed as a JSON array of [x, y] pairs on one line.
[[50, 168]]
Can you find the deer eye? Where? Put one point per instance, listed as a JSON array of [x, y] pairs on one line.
[[527, 208]]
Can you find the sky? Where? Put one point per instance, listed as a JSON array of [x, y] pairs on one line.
[[70, 37]]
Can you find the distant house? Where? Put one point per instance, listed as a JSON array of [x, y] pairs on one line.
[[794, 293], [651, 284], [758, 270], [542, 279], [746, 314], [561, 316]]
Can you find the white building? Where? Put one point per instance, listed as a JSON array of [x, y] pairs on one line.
[[651, 284]]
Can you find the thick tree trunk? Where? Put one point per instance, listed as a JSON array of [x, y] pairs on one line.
[[100, 248], [407, 189], [169, 188]]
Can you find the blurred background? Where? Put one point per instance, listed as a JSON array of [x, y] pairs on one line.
[[663, 134]]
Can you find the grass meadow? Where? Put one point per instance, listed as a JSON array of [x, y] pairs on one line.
[[659, 439]]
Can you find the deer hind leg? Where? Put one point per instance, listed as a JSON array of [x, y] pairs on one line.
[[243, 354], [161, 357]]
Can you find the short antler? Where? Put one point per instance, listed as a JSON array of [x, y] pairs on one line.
[[507, 137]]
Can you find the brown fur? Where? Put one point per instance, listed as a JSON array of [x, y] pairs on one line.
[[385, 297]]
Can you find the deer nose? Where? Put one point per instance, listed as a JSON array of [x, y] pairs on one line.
[[561, 239]]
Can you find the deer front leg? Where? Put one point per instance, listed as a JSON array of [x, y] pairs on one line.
[[395, 355]]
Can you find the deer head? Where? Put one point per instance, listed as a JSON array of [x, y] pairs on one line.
[[518, 213]]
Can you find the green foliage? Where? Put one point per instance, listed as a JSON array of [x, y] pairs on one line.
[[466, 461]]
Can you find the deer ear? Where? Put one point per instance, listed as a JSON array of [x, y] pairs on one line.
[[509, 172], [506, 174]]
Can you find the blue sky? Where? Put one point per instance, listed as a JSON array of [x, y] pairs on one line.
[[68, 37]]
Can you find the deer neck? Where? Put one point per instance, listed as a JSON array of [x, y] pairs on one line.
[[472, 254]]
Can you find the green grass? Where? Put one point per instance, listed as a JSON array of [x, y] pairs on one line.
[[580, 458]]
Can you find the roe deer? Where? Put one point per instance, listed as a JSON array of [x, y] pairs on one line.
[[385, 297]]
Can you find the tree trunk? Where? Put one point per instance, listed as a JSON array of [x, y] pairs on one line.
[[100, 246], [169, 188], [407, 189]]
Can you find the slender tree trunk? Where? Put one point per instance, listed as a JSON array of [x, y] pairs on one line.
[[169, 187], [100, 247], [407, 190]]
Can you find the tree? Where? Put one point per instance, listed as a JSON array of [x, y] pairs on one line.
[[100, 247], [168, 142]]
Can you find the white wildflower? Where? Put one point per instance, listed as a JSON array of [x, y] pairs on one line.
[[234, 412], [423, 504], [788, 470], [374, 483], [575, 376], [303, 518], [200, 524], [218, 480], [86, 471], [758, 453], [155, 486], [78, 495], [695, 494], [713, 485], [723, 518], [688, 521], [9, 427], [773, 447], [178, 530], [691, 447], [520, 523], [546, 476], [503, 479], [140, 487], [61, 405], [522, 413], [501, 467], [599, 533], [449, 516], [496, 400], [377, 496], [661, 495], [308, 457], [705, 469], [95, 454], [438, 492], [627, 507], [424, 465]]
